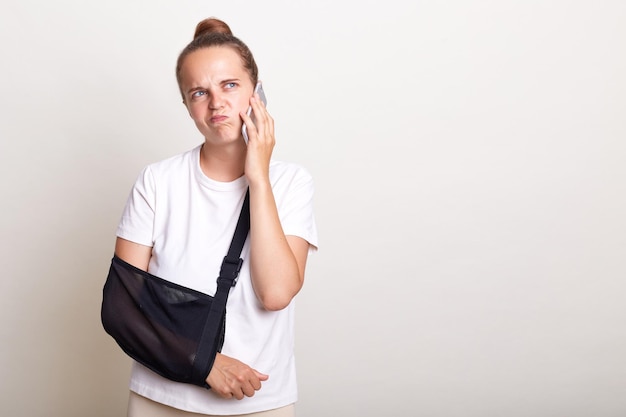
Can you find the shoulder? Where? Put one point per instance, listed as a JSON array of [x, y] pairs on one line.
[[182, 158], [289, 171], [290, 181], [168, 166]]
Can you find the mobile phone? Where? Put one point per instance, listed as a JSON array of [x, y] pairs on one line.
[[257, 89]]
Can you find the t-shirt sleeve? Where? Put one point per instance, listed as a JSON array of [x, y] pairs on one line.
[[296, 213], [137, 222]]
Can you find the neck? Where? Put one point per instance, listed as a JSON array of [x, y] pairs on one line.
[[225, 163]]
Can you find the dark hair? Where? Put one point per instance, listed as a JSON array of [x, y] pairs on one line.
[[214, 32]]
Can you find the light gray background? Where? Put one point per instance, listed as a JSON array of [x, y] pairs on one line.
[[469, 165]]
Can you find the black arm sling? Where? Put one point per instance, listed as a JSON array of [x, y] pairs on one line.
[[171, 329]]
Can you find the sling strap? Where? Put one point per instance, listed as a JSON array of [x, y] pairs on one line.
[[229, 272]]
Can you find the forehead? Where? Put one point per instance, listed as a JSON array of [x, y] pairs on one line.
[[212, 63]]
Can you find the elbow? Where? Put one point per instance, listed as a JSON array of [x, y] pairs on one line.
[[275, 300], [275, 292]]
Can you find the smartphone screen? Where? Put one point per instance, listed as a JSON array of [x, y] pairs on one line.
[[257, 89]]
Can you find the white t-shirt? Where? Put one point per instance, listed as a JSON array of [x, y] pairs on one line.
[[189, 219]]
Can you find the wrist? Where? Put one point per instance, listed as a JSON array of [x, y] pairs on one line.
[[259, 183]]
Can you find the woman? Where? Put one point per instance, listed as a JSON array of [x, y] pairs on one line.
[[178, 222]]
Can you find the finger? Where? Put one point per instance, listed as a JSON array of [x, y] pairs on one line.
[[264, 121], [247, 120], [249, 390], [255, 385], [261, 376], [255, 101], [258, 97], [259, 113], [238, 394]]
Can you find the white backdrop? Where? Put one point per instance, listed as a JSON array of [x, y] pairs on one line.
[[471, 190]]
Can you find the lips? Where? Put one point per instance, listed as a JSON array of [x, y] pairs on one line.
[[218, 118]]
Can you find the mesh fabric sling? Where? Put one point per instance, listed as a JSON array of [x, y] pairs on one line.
[[171, 329]]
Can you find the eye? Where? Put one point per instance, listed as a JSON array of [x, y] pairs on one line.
[[198, 94], [231, 85]]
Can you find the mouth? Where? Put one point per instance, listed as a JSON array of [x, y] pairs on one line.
[[218, 118]]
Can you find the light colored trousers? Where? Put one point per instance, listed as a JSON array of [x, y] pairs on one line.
[[139, 406]]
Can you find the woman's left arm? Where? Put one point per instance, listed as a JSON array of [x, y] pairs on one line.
[[277, 262]]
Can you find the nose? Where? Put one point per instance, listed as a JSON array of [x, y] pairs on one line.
[[216, 100]]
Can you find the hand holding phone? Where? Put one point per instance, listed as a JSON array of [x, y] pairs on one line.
[[257, 89]]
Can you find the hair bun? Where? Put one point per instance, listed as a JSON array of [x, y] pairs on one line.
[[211, 25]]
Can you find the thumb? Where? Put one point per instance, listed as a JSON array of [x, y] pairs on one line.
[[261, 376]]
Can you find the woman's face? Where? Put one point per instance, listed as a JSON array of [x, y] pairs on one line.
[[216, 88]]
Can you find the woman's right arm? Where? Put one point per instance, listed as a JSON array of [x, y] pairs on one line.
[[135, 254], [229, 378]]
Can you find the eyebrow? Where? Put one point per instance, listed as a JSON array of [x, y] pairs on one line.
[[193, 89]]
